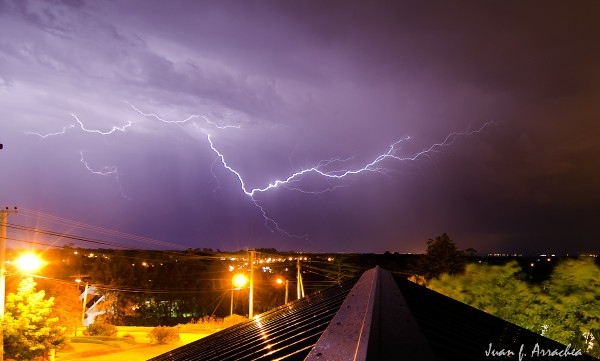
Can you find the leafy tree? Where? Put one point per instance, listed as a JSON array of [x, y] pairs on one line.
[[470, 251], [572, 300], [497, 290], [111, 308], [442, 256], [29, 329], [566, 308], [67, 305]]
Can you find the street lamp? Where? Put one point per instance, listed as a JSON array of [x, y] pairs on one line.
[[29, 262], [280, 281], [237, 282], [84, 300]]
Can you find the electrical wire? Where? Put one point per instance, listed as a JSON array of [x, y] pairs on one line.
[[102, 243], [103, 230]]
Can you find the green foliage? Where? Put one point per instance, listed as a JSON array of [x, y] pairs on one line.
[[497, 290], [67, 305], [442, 256], [164, 335], [566, 308], [572, 301], [101, 329], [30, 331]]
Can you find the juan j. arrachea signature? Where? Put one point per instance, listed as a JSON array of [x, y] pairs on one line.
[[536, 351]]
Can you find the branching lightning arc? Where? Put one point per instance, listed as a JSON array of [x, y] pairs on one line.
[[373, 166], [105, 171], [321, 169]]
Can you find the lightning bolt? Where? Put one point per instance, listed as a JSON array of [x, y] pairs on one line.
[[113, 170], [329, 169], [64, 130], [270, 223], [191, 117], [268, 220], [375, 166], [82, 126], [114, 128], [105, 171]]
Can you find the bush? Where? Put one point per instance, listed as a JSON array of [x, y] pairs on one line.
[[210, 324], [164, 335], [233, 320], [101, 329], [129, 338]]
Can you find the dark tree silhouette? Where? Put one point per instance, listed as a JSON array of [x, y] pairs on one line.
[[471, 251], [442, 256]]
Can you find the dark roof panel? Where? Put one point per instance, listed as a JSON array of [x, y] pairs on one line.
[[379, 317], [289, 332], [457, 331]]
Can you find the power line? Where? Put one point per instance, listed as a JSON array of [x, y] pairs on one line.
[[64, 235], [132, 289], [102, 242], [103, 230]]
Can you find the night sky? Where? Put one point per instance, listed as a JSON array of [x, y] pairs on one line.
[[108, 110]]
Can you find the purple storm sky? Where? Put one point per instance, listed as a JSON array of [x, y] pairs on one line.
[[107, 106]]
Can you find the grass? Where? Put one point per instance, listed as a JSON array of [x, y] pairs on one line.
[[102, 339], [132, 343]]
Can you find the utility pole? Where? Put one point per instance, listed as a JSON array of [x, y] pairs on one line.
[[4, 215], [84, 303], [251, 293], [299, 285], [298, 276], [231, 305], [287, 284], [78, 279]]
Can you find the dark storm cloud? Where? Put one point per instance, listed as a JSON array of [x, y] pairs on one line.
[[306, 81]]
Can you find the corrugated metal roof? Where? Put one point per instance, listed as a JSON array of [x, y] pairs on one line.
[[287, 332], [379, 317], [374, 323]]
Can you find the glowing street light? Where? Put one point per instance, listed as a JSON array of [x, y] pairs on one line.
[[237, 282], [84, 298], [281, 281], [29, 262]]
